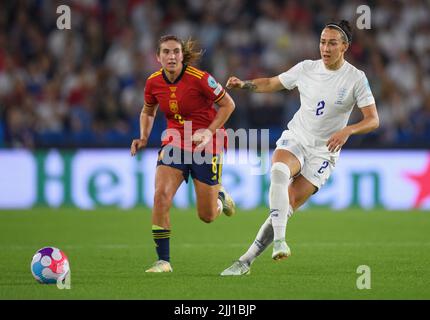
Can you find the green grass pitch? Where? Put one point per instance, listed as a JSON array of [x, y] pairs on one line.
[[109, 249]]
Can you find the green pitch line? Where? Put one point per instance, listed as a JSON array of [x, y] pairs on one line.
[[109, 250]]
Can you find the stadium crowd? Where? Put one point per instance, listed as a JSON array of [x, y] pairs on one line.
[[84, 87]]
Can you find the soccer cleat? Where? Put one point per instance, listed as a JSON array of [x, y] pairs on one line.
[[160, 266], [229, 207], [238, 268], [280, 250]]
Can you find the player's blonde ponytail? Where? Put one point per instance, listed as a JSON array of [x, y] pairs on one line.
[[191, 53], [189, 50]]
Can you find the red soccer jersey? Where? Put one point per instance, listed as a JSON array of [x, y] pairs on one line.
[[188, 103]]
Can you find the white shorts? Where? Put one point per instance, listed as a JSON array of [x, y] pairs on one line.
[[316, 167]]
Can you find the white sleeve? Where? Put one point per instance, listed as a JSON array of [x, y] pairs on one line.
[[362, 93], [290, 78]]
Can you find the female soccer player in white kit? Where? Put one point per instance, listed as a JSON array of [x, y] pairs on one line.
[[307, 151]]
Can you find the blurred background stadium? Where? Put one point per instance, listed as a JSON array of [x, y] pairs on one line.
[[83, 87]]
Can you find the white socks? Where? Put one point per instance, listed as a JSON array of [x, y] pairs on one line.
[[278, 198], [262, 241], [280, 210]]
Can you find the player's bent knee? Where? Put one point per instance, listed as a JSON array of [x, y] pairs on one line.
[[207, 217], [280, 173]]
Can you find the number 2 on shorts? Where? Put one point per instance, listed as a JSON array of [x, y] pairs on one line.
[[323, 167]]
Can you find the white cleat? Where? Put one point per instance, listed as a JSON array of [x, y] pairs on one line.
[[280, 250], [238, 268], [160, 266], [229, 207]]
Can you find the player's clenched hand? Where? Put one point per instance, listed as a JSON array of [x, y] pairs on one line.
[[234, 82], [338, 139], [201, 138], [137, 144]]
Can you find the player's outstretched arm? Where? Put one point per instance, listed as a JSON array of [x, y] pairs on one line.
[[257, 85], [147, 116], [369, 123]]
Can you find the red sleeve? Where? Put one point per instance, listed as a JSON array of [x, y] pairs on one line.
[[149, 99], [211, 88]]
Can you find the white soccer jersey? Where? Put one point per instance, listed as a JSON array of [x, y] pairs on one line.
[[327, 98]]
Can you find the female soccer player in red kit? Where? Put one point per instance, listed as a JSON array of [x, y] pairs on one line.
[[186, 95]]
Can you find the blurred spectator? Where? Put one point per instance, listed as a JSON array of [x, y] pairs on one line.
[[84, 87]]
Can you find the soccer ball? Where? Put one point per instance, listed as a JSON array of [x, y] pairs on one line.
[[49, 264]]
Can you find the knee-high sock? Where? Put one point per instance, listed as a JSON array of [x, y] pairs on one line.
[[263, 239], [278, 198], [162, 242]]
